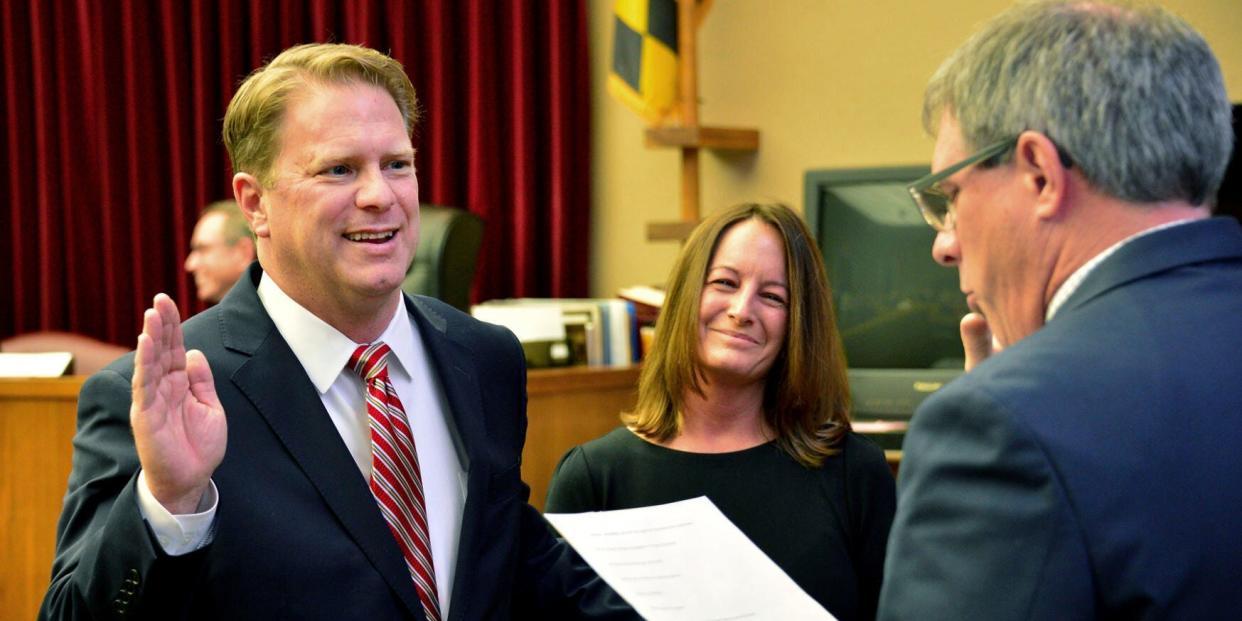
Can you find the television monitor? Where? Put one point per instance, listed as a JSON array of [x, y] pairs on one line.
[[897, 309]]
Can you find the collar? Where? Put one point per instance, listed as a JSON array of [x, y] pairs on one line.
[[1075, 279], [322, 349]]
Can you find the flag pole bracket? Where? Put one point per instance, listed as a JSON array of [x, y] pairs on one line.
[[702, 137], [691, 137]]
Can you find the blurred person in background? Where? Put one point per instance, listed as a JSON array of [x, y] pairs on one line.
[[221, 249]]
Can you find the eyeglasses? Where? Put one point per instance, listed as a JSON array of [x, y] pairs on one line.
[[934, 202]]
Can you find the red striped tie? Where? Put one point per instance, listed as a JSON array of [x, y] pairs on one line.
[[396, 481]]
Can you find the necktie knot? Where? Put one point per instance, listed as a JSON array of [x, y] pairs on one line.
[[368, 361]]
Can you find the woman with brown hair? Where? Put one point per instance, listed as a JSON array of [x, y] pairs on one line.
[[744, 398]]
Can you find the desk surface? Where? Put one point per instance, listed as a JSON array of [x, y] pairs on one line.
[[38, 418], [566, 407], [41, 388]]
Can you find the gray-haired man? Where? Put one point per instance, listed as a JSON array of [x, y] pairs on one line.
[[1085, 466]]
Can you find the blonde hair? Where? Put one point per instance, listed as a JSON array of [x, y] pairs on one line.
[[806, 394], [253, 118]]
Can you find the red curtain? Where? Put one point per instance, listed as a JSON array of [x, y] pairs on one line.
[[111, 130]]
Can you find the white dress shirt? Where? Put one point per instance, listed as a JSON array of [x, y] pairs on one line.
[[324, 353], [1075, 279]]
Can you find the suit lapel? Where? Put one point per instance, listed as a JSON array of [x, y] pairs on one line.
[[459, 381], [278, 388], [462, 391]]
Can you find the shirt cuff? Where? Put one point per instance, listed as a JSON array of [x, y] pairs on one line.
[[178, 534]]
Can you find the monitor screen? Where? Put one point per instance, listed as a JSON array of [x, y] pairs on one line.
[[896, 307]]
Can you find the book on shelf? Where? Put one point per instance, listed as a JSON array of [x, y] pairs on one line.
[[643, 294], [591, 331], [647, 301]]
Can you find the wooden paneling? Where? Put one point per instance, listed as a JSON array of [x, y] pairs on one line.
[[37, 421], [567, 407], [38, 418]]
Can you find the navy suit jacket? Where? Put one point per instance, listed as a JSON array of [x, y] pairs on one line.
[[1091, 470], [297, 532]]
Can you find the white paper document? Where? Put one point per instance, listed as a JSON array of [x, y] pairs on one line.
[[685, 560], [47, 364]]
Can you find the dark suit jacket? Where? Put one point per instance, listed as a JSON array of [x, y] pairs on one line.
[[297, 532], [1091, 470]]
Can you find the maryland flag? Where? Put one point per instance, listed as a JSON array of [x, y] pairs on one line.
[[644, 56]]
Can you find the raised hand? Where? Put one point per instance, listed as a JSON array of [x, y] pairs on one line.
[[179, 426], [977, 339]]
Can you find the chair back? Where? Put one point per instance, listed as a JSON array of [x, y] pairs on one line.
[[449, 240]]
